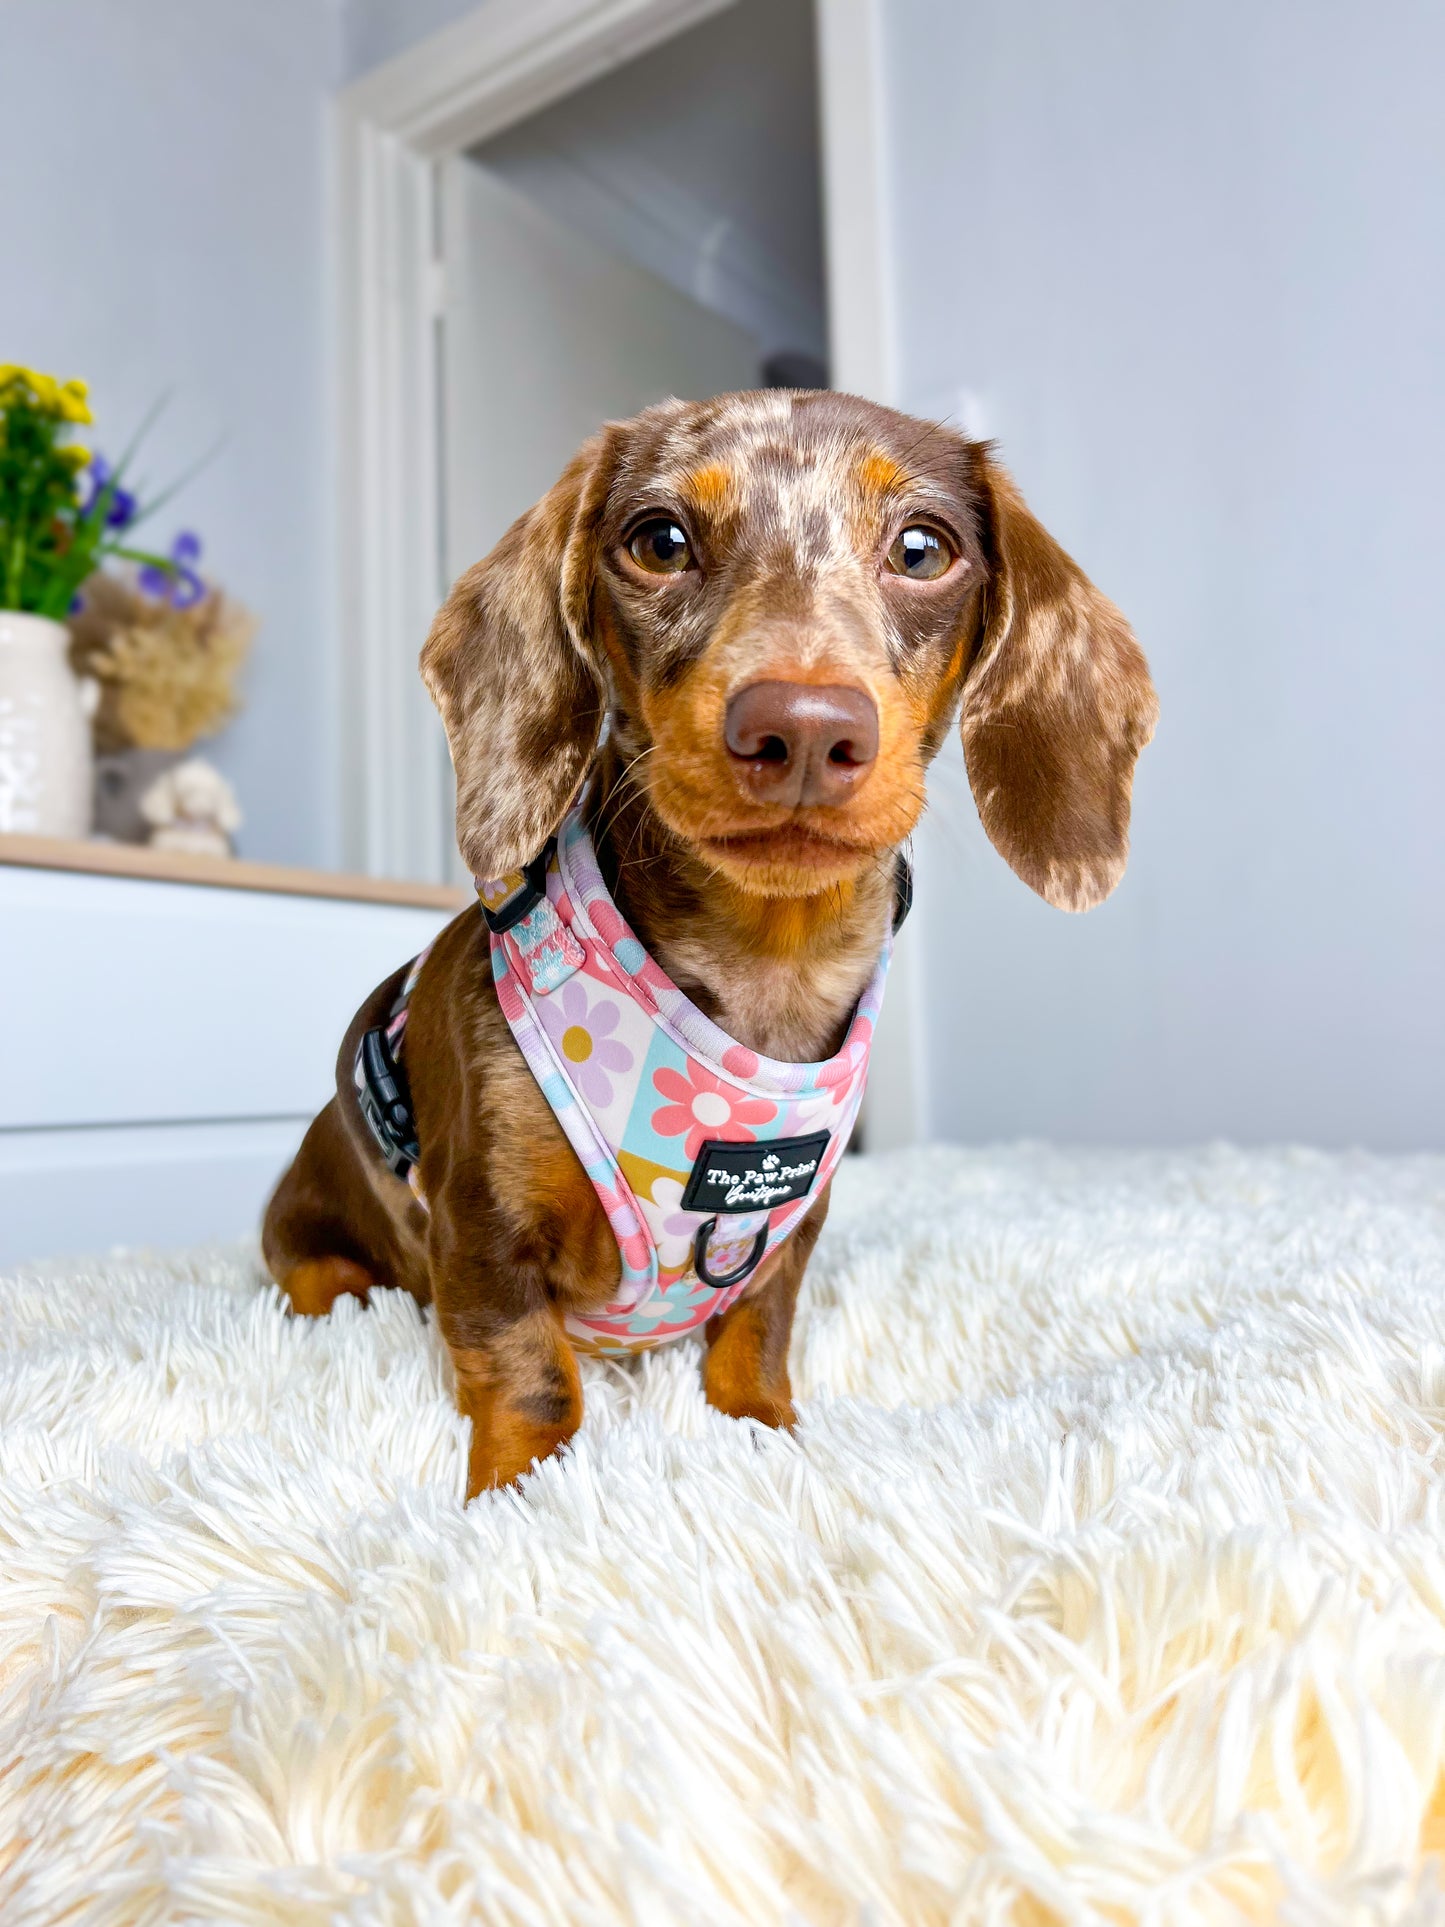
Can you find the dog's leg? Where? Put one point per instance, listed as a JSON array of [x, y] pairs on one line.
[[516, 1230], [517, 1381], [745, 1372], [314, 1285], [328, 1233]]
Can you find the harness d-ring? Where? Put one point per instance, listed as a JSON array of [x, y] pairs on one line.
[[744, 1270]]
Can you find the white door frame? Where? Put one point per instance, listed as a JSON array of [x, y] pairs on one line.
[[495, 66]]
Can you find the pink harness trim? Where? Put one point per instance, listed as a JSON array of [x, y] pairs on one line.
[[672, 1119]]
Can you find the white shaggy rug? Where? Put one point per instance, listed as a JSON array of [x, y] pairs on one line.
[[1104, 1582]]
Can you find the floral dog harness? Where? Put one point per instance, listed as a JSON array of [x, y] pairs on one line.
[[705, 1156]]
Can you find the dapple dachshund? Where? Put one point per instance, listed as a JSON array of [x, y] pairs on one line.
[[738, 631]]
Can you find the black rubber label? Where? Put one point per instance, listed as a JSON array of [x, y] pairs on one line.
[[753, 1177]]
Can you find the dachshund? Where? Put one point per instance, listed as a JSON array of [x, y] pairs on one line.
[[731, 638]]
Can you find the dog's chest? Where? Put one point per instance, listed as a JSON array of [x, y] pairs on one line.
[[793, 1011]]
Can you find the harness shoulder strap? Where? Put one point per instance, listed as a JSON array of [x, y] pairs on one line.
[[518, 904], [506, 900]]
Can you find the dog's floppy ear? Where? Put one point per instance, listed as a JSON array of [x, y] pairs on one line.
[[510, 665], [1057, 705]]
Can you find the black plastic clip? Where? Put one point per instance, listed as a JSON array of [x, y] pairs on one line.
[[534, 888], [385, 1103]]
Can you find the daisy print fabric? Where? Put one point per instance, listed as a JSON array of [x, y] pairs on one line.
[[643, 1083]]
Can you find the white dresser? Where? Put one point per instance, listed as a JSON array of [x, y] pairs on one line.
[[170, 1025]]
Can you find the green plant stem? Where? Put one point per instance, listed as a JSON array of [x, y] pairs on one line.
[[15, 581]]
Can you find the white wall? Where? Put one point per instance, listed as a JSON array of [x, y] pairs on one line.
[[1191, 262], [162, 175], [373, 31]]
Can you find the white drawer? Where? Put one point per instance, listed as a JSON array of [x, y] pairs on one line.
[[129, 1001]]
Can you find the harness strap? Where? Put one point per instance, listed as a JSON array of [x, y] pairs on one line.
[[518, 903], [506, 900], [902, 890]]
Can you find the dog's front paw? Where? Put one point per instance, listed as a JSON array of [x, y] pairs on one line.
[[524, 1399], [734, 1377], [778, 1412], [506, 1447]]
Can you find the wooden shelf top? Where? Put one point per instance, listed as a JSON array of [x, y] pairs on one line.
[[221, 872]]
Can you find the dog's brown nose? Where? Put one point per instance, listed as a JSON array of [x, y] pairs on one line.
[[801, 744]]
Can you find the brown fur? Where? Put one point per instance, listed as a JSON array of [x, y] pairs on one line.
[[769, 918]]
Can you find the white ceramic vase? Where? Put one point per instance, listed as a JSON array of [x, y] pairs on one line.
[[45, 712]]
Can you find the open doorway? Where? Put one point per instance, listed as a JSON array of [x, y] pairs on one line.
[[657, 232]]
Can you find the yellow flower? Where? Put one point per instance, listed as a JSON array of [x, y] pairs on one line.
[[73, 405], [75, 454], [66, 403]]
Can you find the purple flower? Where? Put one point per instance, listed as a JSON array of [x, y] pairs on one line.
[[122, 510], [179, 585], [593, 1055], [672, 1227]]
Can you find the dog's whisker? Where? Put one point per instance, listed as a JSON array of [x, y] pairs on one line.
[[622, 791]]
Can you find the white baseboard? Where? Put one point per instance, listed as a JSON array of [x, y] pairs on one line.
[[75, 1192]]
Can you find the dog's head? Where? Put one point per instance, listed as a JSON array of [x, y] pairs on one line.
[[782, 600]]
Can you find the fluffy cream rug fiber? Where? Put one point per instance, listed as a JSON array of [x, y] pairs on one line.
[[1104, 1582]]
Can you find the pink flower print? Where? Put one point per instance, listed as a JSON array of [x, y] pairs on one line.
[[593, 1055], [704, 1107], [607, 918], [837, 1083], [655, 983], [837, 1076]]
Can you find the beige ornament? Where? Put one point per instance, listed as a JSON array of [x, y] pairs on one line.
[[192, 808]]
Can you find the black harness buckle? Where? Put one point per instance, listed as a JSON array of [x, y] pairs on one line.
[[534, 888], [386, 1103]]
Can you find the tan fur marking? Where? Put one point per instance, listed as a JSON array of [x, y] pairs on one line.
[[690, 778], [711, 487], [879, 473], [314, 1286]]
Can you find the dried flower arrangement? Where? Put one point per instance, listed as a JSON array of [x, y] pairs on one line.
[[165, 650]]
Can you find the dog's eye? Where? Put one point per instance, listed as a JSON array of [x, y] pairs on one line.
[[660, 547], [920, 553]]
